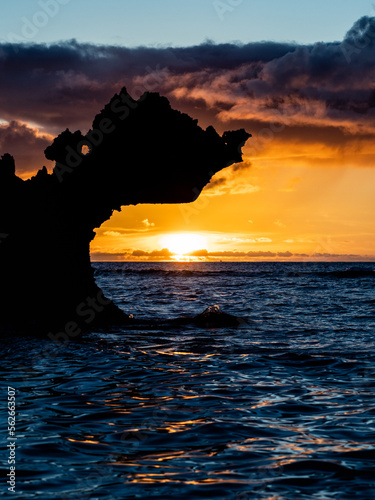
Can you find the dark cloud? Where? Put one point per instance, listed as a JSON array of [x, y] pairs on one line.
[[166, 254], [216, 183], [107, 257], [285, 254], [154, 253], [325, 84], [236, 167], [361, 35], [227, 254], [25, 144], [322, 92], [258, 254]]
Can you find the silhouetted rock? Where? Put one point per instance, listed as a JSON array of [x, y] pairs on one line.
[[214, 317], [136, 152], [7, 167]]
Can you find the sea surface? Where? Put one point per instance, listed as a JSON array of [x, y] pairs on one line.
[[281, 406]]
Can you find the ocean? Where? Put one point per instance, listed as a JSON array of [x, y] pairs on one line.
[[281, 406]]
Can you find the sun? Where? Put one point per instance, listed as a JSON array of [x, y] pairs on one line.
[[183, 243]]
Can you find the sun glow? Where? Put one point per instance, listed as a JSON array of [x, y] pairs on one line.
[[184, 243]]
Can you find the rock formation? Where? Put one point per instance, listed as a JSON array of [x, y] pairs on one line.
[[136, 152]]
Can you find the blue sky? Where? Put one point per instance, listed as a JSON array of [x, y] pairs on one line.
[[180, 22]]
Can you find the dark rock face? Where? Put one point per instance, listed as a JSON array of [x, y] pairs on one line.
[[136, 152]]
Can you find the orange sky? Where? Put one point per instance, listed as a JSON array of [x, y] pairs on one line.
[[291, 199], [296, 196], [301, 199]]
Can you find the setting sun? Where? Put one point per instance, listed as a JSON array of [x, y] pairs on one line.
[[184, 243]]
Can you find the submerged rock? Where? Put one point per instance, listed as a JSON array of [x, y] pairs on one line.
[[136, 152], [214, 317]]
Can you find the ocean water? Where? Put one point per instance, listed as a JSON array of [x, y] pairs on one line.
[[280, 407]]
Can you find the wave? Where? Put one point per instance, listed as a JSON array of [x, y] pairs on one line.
[[346, 273], [178, 272]]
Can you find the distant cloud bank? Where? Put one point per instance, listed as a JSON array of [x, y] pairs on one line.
[[165, 254]]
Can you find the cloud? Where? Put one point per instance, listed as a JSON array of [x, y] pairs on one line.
[[227, 254], [316, 85], [26, 144], [121, 231], [262, 254], [199, 253], [231, 181], [108, 256], [244, 240], [231, 187], [112, 233], [147, 223], [320, 84], [237, 167], [164, 253], [318, 93], [285, 254]]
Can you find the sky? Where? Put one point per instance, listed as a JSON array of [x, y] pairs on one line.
[[298, 76], [181, 22]]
